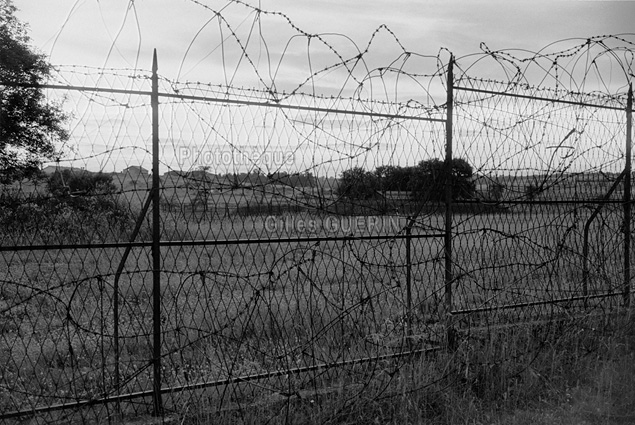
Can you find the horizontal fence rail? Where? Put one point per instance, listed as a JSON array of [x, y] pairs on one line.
[[543, 99]]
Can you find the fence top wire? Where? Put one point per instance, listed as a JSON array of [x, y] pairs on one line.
[[551, 116], [339, 76], [544, 147], [595, 69], [275, 55]]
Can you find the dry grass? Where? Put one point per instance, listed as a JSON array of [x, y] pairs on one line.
[[237, 310], [545, 374]]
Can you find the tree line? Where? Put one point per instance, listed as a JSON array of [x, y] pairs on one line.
[[427, 180], [202, 177]]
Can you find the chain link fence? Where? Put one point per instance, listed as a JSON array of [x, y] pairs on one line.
[[218, 267]]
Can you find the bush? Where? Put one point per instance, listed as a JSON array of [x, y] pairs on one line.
[[495, 192], [357, 183], [429, 180], [47, 220], [80, 183], [81, 208]]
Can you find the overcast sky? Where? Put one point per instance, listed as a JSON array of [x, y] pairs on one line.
[[122, 33], [194, 43]]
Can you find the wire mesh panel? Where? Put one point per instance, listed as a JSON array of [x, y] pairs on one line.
[[275, 285], [293, 289], [304, 253], [73, 328], [547, 223]]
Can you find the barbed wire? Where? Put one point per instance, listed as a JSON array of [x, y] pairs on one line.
[[278, 284]]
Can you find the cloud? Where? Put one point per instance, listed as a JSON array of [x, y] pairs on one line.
[[85, 32]]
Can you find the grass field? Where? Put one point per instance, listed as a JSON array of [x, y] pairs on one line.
[[246, 309]]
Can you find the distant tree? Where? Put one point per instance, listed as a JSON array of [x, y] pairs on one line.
[[29, 125], [384, 173], [87, 194], [495, 191], [80, 183], [281, 178], [394, 177], [357, 183], [300, 179], [256, 178], [429, 180], [533, 190], [202, 183], [402, 177], [306, 179]]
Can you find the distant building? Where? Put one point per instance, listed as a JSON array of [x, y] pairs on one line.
[[135, 171]]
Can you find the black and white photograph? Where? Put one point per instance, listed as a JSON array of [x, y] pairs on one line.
[[325, 212]]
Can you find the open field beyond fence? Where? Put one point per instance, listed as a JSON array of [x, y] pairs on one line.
[[248, 309], [223, 293]]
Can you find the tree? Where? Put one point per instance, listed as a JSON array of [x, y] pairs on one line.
[[30, 127], [533, 190], [202, 183], [495, 191], [394, 177], [384, 175], [429, 180], [357, 183], [79, 195], [80, 183]]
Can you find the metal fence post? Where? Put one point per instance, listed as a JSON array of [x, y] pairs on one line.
[[156, 249], [448, 203], [627, 199], [408, 284]]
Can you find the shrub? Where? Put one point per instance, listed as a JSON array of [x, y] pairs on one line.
[[495, 191], [430, 179], [80, 182], [81, 207], [357, 183]]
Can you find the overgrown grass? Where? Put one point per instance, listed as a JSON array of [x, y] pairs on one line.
[[567, 371], [242, 309], [46, 219]]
